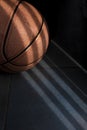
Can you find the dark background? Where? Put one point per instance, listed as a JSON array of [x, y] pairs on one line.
[[67, 22]]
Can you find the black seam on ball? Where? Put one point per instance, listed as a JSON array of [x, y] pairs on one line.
[[8, 70], [29, 63], [9, 61], [7, 32]]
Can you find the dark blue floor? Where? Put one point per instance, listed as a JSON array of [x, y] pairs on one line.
[[47, 97]]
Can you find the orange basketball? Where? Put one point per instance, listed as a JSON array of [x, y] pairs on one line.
[[24, 36]]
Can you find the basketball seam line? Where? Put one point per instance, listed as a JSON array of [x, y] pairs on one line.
[[13, 71], [9, 61], [6, 35], [29, 63], [28, 47]]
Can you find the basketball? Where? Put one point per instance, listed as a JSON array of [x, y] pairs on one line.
[[24, 36]]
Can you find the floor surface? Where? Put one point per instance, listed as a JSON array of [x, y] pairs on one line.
[[50, 96]]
